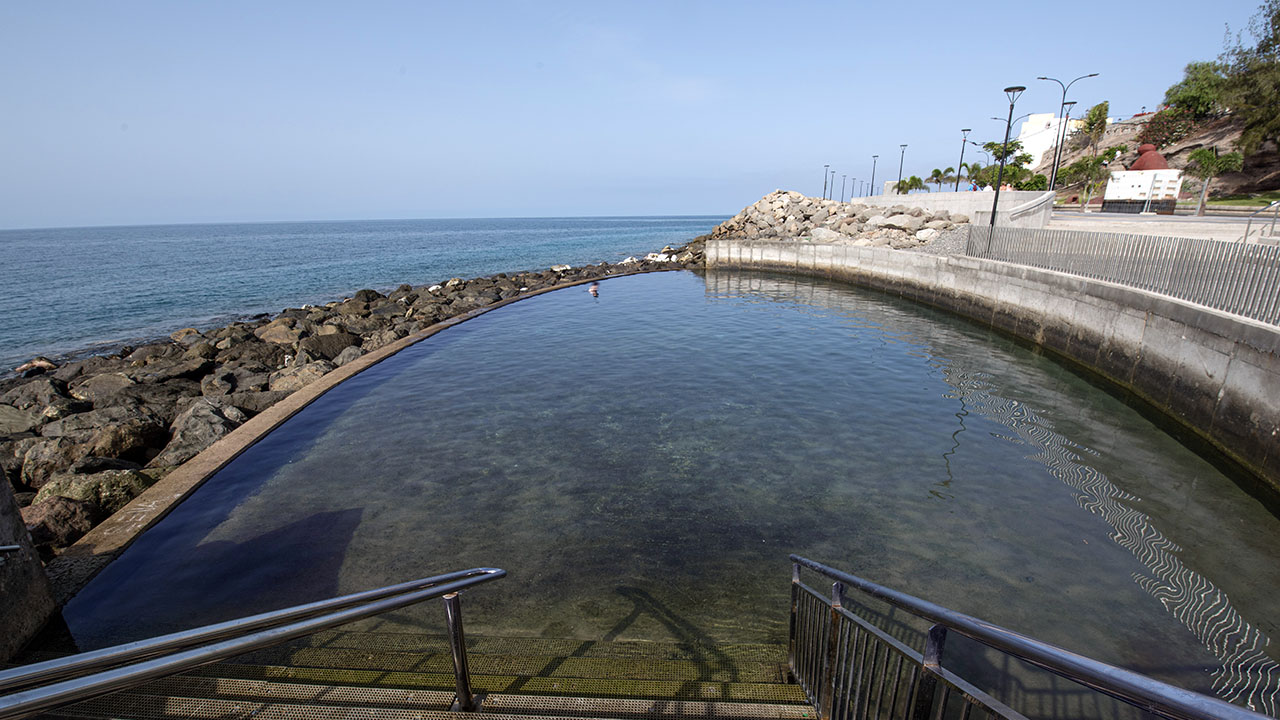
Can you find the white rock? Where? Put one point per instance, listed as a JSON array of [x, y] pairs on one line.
[[435, 289], [561, 268], [824, 235], [629, 261], [927, 234]]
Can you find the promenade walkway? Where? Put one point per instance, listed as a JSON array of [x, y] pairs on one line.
[[1209, 228]]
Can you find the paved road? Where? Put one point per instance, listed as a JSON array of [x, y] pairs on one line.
[[1215, 228]]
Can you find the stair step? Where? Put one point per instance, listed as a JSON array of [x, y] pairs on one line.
[[222, 697], [552, 647], [518, 684], [711, 668]]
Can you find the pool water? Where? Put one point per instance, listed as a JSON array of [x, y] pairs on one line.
[[643, 462]]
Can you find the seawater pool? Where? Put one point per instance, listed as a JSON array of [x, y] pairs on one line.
[[643, 462]]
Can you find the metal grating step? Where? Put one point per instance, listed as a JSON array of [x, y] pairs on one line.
[[531, 685]]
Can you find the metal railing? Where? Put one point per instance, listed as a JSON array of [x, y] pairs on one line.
[[1238, 278], [71, 679], [1275, 215], [850, 669]]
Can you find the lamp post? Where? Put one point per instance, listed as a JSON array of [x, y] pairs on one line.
[[900, 159], [871, 189], [843, 178], [1013, 92], [959, 167], [1058, 155], [1062, 131], [824, 180], [833, 184]]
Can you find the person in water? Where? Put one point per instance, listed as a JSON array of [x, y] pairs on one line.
[[594, 289]]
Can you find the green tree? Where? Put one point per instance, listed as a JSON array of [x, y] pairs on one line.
[[912, 183], [1199, 92], [1035, 182], [1094, 125], [937, 176], [1167, 127], [971, 170], [1206, 164], [1089, 172], [1252, 88]]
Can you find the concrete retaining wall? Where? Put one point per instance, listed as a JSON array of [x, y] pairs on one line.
[[1217, 374]]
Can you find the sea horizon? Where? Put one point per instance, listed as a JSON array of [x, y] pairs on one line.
[[81, 291], [201, 223]]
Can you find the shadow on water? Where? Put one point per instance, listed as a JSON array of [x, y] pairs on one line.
[[293, 564]]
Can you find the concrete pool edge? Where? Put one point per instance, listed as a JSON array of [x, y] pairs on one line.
[[1210, 372], [80, 562]]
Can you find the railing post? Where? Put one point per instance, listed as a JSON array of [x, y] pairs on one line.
[[458, 645], [795, 612], [929, 672], [827, 701]]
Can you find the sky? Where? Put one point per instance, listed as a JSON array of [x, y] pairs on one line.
[[122, 112]]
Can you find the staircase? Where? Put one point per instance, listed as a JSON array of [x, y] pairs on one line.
[[348, 674]]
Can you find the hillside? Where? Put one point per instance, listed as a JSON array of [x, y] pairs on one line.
[[1261, 170]]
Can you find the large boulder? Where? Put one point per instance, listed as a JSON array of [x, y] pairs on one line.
[[328, 346], [56, 522], [36, 394], [280, 332], [45, 456], [908, 223], [297, 377], [189, 368], [253, 403], [823, 235], [14, 421], [198, 427], [108, 490], [101, 387]]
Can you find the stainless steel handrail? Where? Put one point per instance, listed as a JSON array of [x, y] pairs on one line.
[[1252, 215], [245, 634], [1124, 685]]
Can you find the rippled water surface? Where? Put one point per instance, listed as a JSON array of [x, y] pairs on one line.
[[643, 462]]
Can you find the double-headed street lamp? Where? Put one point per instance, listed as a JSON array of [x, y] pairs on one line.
[[959, 167], [1013, 92], [1062, 131]]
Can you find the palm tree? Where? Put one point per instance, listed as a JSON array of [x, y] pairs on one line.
[[912, 183], [971, 170], [1206, 164], [937, 176]]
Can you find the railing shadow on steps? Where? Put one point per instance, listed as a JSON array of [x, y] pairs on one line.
[[856, 657], [42, 686]]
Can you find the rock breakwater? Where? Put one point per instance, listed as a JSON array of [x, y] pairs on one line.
[[789, 215], [78, 441]]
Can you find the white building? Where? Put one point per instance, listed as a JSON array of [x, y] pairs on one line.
[[1039, 135]]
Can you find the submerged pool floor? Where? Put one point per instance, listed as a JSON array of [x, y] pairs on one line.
[[642, 463]]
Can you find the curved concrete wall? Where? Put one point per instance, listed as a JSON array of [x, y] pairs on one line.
[[1218, 374]]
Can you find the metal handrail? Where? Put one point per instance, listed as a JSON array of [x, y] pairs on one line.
[[1133, 688], [1249, 224], [178, 652]]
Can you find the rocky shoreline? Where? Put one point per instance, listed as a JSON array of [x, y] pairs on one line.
[[79, 440]]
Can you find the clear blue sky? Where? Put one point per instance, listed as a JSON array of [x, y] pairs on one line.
[[156, 112]]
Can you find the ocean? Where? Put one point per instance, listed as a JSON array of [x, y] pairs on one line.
[[74, 291]]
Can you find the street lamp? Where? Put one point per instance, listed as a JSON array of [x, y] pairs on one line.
[[1062, 131], [1013, 92], [824, 180], [900, 159], [833, 184], [1058, 154], [843, 178], [872, 188], [963, 140]]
